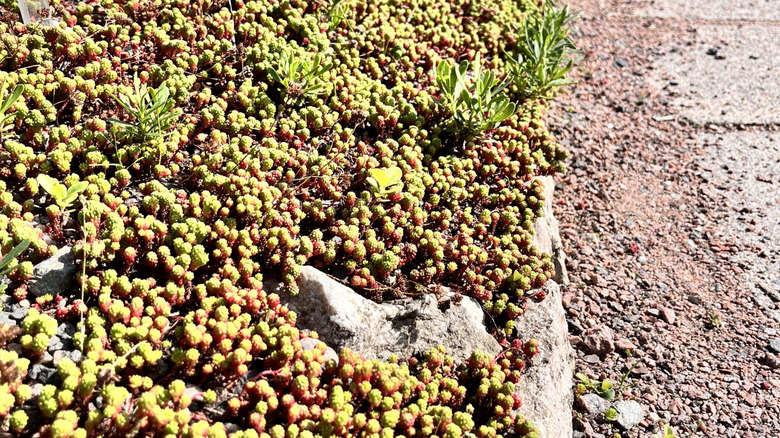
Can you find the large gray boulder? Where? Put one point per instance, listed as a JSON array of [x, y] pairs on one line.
[[547, 236], [55, 274], [545, 386], [343, 318]]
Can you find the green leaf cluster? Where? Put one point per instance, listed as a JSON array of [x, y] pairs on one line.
[[475, 97], [63, 196], [544, 54], [5, 104], [300, 77], [605, 389], [385, 181], [152, 110], [5, 269]]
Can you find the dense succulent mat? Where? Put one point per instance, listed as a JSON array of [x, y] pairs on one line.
[[185, 149]]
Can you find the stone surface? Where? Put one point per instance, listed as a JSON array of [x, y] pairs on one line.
[[599, 341], [343, 318], [74, 355], [545, 386], [41, 373], [546, 234], [742, 171], [668, 315], [733, 10], [774, 345], [622, 345], [592, 404], [629, 413], [54, 274], [311, 343], [729, 76]]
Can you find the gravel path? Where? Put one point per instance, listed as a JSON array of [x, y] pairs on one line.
[[670, 214]]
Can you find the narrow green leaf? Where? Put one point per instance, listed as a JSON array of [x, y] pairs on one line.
[[78, 187], [14, 253], [8, 103]]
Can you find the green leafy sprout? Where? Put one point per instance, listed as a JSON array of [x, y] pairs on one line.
[[545, 53], [605, 389], [63, 196], [5, 104], [300, 77], [152, 110], [385, 181], [5, 263], [474, 98], [336, 14]]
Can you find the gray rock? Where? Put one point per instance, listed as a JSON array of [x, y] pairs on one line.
[[46, 359], [310, 343], [622, 345], [74, 355], [629, 413], [771, 360], [343, 318], [774, 345], [66, 330], [547, 236], [668, 315], [18, 313], [41, 373], [6, 319], [55, 343], [545, 385], [54, 274], [592, 404], [599, 341]]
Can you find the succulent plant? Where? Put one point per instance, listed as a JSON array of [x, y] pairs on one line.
[[255, 138]]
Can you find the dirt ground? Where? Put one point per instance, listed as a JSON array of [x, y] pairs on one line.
[[658, 251]]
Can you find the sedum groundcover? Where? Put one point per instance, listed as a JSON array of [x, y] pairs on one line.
[[183, 150]]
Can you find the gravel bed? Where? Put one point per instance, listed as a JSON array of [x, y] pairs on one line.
[[654, 272]]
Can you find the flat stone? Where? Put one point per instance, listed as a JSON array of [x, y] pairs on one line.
[[55, 274], [726, 10], [311, 343], [74, 355], [592, 404], [343, 318], [41, 373], [629, 413], [66, 330], [599, 341], [5, 318], [547, 235], [774, 345], [622, 345], [18, 313], [668, 315], [739, 85], [55, 343], [552, 369]]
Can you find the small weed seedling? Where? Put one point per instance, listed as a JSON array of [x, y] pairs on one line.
[[605, 389], [5, 105], [477, 105], [63, 196], [668, 432], [5, 269], [152, 110], [385, 181], [544, 56], [300, 77]]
